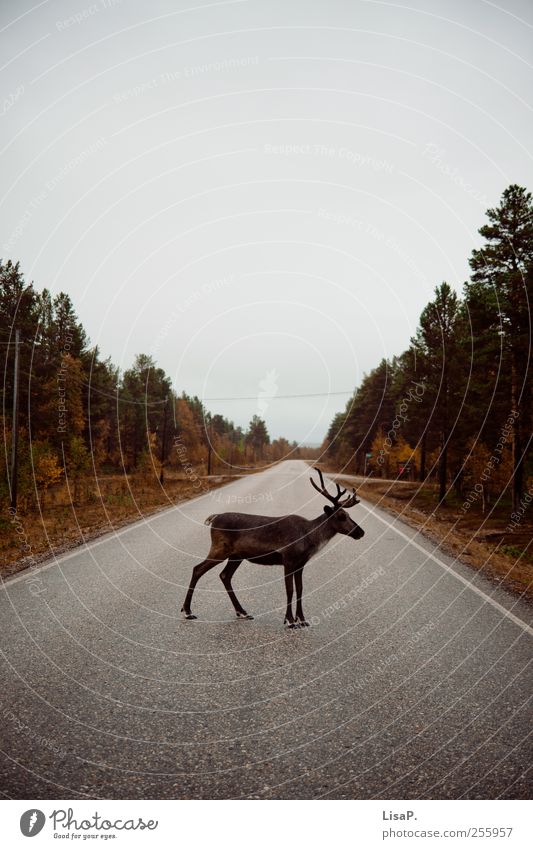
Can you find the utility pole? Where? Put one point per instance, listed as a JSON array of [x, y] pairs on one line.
[[232, 449], [15, 426], [163, 443], [209, 449]]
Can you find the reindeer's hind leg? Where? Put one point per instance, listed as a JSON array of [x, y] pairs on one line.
[[199, 570], [225, 576]]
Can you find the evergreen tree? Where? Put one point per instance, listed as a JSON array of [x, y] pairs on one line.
[[257, 437], [499, 298], [19, 309], [438, 342], [101, 409], [372, 408], [144, 391]]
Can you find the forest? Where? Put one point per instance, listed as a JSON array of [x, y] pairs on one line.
[[454, 408], [453, 411], [115, 444]]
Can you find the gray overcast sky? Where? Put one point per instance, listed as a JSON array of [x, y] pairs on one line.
[[263, 195]]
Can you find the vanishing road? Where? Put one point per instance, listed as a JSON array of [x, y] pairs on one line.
[[411, 683]]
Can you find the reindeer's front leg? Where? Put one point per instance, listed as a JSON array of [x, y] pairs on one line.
[[289, 587], [298, 580]]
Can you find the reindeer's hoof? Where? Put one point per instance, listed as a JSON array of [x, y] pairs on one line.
[[188, 615], [291, 625], [302, 623], [244, 615]]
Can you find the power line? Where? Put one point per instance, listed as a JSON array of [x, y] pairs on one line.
[[114, 397], [220, 398], [275, 397]]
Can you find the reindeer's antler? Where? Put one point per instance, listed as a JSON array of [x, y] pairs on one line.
[[351, 501]]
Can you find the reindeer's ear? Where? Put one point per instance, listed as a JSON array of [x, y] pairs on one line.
[[328, 510]]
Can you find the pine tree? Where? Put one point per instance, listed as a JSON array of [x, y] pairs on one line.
[[257, 437], [372, 408], [438, 341], [499, 296], [19, 309]]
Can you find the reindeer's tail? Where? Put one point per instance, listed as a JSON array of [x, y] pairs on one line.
[[209, 520]]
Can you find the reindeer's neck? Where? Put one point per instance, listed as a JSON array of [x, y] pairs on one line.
[[320, 532]]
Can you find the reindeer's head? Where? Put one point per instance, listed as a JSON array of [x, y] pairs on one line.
[[338, 518]]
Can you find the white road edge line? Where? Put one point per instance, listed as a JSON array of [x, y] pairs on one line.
[[500, 607]]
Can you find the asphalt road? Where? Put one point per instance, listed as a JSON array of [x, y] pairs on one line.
[[409, 684]]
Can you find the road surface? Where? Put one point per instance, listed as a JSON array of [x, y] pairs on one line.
[[410, 683]]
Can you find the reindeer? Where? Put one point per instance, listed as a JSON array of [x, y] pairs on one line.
[[287, 540]]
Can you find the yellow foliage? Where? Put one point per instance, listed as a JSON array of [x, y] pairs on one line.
[[386, 454], [189, 446], [46, 468], [486, 471]]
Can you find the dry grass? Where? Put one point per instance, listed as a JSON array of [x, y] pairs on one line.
[[104, 505], [478, 540]]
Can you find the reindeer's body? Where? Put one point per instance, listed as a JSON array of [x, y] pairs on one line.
[[270, 539], [286, 540]]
